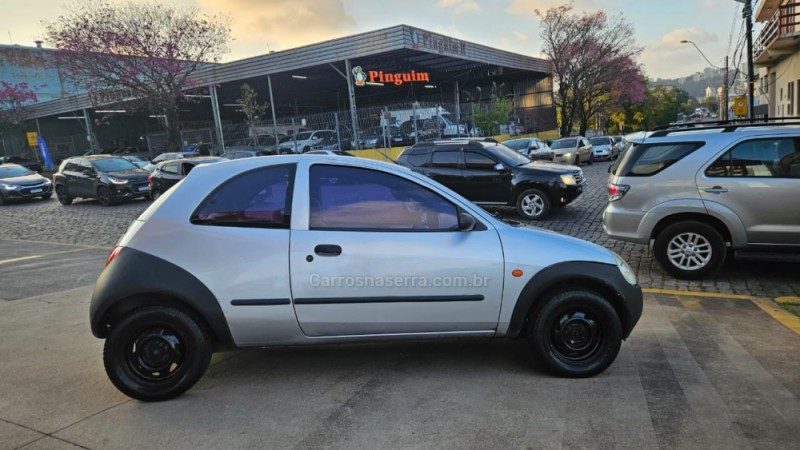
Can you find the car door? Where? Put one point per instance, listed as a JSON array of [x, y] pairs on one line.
[[758, 179], [170, 174], [483, 180], [85, 179], [445, 167], [379, 254], [586, 151]]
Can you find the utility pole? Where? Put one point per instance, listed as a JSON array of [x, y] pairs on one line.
[[748, 17], [725, 84]]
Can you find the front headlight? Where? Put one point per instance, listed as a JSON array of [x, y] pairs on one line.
[[625, 269], [567, 155], [46, 181], [569, 180], [9, 187], [117, 180]]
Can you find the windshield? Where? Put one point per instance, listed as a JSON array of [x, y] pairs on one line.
[[448, 119], [508, 156], [14, 171], [600, 141], [564, 143], [113, 165]]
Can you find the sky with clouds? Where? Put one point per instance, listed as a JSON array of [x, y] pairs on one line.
[[258, 26]]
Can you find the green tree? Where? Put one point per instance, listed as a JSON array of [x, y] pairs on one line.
[[499, 111], [251, 108]]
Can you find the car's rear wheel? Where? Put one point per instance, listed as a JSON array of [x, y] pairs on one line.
[[104, 196], [155, 194], [63, 197], [576, 333], [690, 250], [533, 204], [156, 353]]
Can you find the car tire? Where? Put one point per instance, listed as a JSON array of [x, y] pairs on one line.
[[156, 353], [155, 194], [533, 204], [591, 159], [62, 196], [2, 200], [104, 196], [690, 250], [576, 333], [306, 149]]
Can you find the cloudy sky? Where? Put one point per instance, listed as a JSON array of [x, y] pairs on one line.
[[262, 25]]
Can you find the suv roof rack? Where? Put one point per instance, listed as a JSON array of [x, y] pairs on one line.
[[726, 126]]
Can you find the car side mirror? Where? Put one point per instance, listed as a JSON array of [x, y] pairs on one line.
[[499, 167], [466, 222]]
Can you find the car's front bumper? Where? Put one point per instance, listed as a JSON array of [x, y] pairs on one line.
[[131, 190], [38, 190]]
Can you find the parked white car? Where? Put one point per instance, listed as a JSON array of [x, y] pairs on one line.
[[306, 140]]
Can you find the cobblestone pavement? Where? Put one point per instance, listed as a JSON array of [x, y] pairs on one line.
[[86, 222]]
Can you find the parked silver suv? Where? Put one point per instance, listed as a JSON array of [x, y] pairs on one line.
[[701, 194]]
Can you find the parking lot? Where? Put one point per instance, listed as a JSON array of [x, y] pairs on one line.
[[711, 364]]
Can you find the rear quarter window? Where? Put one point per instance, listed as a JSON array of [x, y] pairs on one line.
[[649, 159]]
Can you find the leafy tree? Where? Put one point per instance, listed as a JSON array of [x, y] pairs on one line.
[[500, 108], [251, 108], [593, 63], [141, 55], [14, 100]]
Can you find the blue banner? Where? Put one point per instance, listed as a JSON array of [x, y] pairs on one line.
[[48, 163]]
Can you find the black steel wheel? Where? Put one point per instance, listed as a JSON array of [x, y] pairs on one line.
[[577, 333], [104, 196], [155, 194], [63, 197], [533, 204], [156, 353], [690, 250]]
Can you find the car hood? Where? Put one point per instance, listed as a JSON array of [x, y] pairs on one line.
[[130, 174], [602, 147], [561, 151], [25, 180], [539, 167]]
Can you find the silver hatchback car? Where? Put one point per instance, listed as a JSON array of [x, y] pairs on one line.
[[294, 250], [701, 194]]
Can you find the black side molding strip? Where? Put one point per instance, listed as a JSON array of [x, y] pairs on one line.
[[261, 302], [423, 299]]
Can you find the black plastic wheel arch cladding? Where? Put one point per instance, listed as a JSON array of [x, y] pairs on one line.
[[626, 298], [135, 274]]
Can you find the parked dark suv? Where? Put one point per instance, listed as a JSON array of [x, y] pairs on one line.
[[169, 173], [107, 178], [493, 174]]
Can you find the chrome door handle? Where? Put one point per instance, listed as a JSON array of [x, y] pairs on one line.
[[716, 190]]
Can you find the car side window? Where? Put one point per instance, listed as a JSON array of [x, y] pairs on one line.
[[445, 159], [171, 168], [348, 198], [418, 157], [758, 159], [649, 159], [259, 198], [476, 161], [85, 165]]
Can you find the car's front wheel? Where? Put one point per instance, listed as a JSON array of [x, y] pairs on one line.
[[576, 333], [690, 250], [104, 196], [156, 353], [63, 197], [533, 204]]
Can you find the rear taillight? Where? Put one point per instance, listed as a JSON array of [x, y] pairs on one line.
[[112, 255], [149, 178], [616, 191]]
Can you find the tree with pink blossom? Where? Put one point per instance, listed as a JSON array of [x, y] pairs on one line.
[[137, 55], [593, 57], [14, 102]]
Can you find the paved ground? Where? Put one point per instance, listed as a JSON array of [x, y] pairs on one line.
[[696, 373], [88, 223]]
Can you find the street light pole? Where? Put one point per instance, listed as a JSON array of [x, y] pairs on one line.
[[725, 78], [748, 17]]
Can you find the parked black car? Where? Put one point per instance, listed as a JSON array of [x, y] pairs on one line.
[[168, 173], [493, 174], [107, 178], [18, 182]]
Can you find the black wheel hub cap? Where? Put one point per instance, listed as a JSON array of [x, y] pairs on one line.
[[576, 336], [156, 353]]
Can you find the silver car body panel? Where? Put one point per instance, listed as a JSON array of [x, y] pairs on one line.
[[271, 265]]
